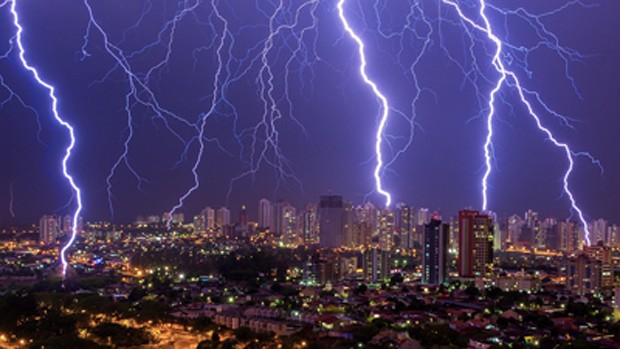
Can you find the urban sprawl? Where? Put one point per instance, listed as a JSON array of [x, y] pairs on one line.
[[330, 275]]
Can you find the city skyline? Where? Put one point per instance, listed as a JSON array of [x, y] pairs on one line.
[[334, 222], [253, 213], [308, 174]]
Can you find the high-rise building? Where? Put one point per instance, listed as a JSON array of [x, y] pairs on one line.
[[49, 228], [454, 234], [209, 214], [309, 225], [243, 216], [569, 236], [347, 221], [602, 253], [200, 223], [278, 220], [376, 264], [613, 236], [598, 231], [283, 211], [423, 216], [223, 217], [475, 244], [331, 213], [590, 271], [332, 266], [514, 229], [153, 219], [178, 218], [67, 224], [385, 229], [265, 214], [403, 225], [328, 268], [549, 229], [366, 214], [435, 252], [289, 225]]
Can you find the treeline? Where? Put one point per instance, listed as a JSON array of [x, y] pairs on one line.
[[242, 264]]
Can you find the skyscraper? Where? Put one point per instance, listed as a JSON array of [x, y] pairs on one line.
[[514, 229], [603, 254], [209, 218], [568, 234], [283, 213], [475, 244], [243, 216], [265, 214], [178, 218], [598, 230], [67, 224], [550, 225], [223, 217], [289, 226], [385, 229], [590, 271], [376, 264], [49, 227], [435, 252], [309, 225], [613, 236], [200, 223], [347, 221], [403, 225], [331, 224]]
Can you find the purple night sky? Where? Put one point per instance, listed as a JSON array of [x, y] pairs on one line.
[[328, 117]]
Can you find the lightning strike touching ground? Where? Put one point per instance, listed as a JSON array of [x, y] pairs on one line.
[[249, 58], [54, 108], [509, 78]]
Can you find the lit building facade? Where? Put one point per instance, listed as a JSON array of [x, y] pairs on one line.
[[475, 244]]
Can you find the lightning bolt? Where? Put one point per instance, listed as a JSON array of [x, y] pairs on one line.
[[264, 136], [385, 108], [11, 94], [11, 200], [272, 57], [139, 91], [54, 107], [509, 78], [215, 96]]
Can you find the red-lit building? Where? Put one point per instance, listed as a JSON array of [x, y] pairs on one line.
[[475, 244]]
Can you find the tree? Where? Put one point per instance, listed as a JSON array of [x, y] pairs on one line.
[[228, 344], [396, 279], [15, 308], [136, 294], [472, 292], [494, 293], [204, 324], [244, 334], [360, 289]]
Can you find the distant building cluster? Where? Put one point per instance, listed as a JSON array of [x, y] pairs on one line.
[[51, 227], [366, 240]]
